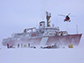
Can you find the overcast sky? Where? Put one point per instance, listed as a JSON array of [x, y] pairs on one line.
[[16, 15]]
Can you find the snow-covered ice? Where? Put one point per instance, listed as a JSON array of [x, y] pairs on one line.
[[30, 55]]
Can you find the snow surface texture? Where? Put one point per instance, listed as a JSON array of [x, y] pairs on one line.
[[30, 55]]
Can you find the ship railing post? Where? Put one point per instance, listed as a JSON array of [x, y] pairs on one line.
[[77, 29]]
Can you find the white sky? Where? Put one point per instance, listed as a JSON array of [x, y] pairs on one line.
[[16, 15]]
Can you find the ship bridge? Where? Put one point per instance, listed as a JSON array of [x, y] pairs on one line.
[[52, 29]]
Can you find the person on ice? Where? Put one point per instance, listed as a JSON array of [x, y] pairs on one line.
[[7, 45], [28, 44], [18, 45]]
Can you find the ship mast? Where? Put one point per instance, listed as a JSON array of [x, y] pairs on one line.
[[48, 15]]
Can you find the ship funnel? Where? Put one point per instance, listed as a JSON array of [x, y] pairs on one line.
[[42, 24]]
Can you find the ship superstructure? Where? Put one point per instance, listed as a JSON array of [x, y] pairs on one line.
[[43, 36]]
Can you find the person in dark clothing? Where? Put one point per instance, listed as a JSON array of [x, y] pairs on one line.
[[7, 45], [18, 45], [28, 44]]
